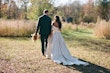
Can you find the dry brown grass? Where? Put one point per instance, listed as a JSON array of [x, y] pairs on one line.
[[102, 29], [27, 27], [21, 55], [69, 26], [16, 27]]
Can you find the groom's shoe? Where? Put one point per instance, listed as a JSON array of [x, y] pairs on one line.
[[43, 54]]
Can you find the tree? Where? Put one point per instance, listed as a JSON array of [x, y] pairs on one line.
[[0, 8], [77, 11], [44, 5], [89, 13], [104, 9], [37, 8], [12, 11], [72, 11]]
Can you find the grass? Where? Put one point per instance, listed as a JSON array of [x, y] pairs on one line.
[[102, 29], [21, 55], [17, 27], [27, 27], [93, 49]]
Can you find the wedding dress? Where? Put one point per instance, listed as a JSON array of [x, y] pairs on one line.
[[58, 52]]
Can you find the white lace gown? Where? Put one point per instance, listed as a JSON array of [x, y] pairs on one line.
[[58, 52]]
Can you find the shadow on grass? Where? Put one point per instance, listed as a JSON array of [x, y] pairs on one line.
[[92, 68], [90, 43], [97, 45]]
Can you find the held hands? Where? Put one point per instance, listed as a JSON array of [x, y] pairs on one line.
[[50, 35]]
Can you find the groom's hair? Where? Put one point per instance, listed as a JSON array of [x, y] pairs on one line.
[[45, 11]]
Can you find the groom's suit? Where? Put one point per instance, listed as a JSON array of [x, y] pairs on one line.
[[44, 24]]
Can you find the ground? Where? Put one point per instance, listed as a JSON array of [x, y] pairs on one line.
[[22, 55]]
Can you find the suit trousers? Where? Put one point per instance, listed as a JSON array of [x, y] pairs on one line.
[[44, 42]]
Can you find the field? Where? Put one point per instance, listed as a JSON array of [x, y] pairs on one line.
[[21, 55]]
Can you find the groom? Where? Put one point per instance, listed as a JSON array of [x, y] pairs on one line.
[[44, 25]]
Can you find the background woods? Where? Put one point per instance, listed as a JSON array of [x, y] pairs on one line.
[[71, 12], [93, 13]]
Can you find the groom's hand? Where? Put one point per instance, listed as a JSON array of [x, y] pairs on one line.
[[35, 36], [35, 33]]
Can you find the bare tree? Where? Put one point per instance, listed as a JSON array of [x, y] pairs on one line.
[[25, 7], [12, 10]]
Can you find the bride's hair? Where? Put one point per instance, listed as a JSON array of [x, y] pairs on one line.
[[57, 19]]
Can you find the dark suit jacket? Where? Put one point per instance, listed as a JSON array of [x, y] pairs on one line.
[[44, 24]]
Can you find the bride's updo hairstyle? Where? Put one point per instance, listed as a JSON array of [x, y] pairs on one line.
[[57, 19]]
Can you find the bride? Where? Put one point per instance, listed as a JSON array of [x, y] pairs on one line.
[[57, 50]]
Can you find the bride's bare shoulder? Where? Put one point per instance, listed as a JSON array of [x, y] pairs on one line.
[[55, 24]]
